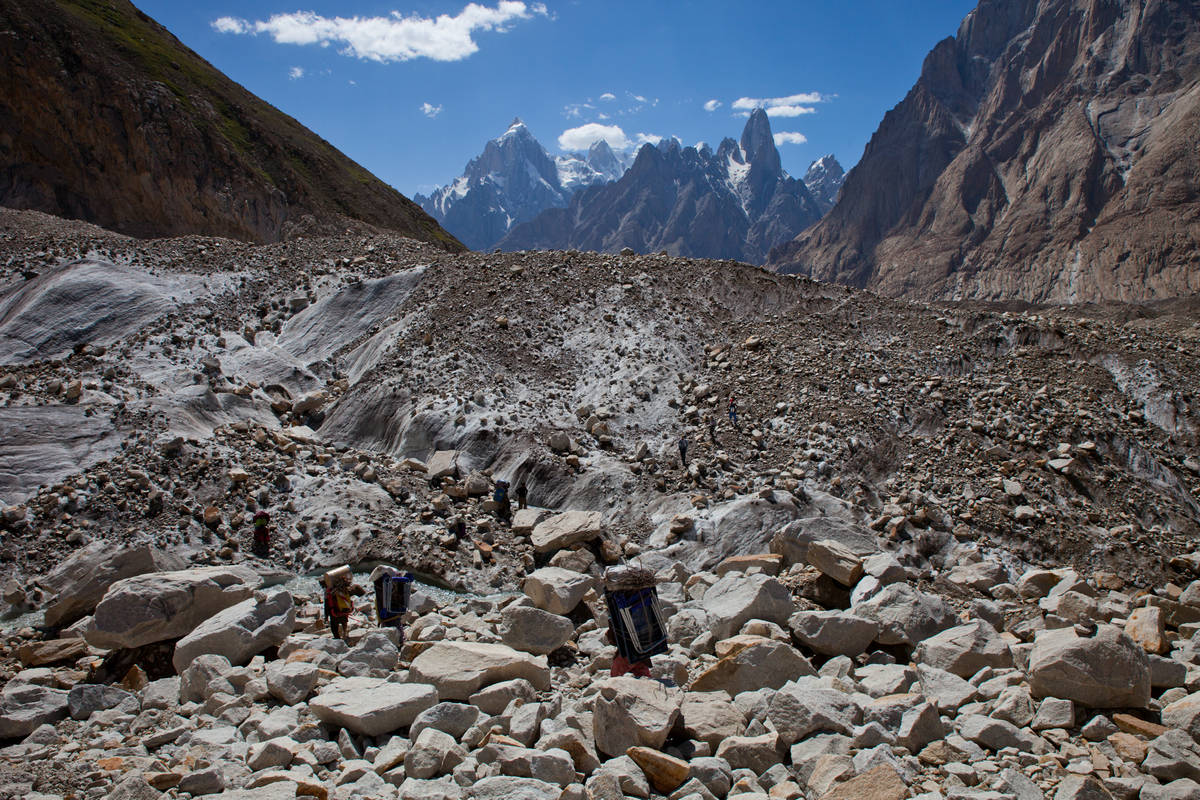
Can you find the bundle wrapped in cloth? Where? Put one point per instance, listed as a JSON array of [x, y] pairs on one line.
[[634, 613]]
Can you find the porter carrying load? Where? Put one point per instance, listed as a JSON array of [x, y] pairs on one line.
[[636, 624], [339, 589]]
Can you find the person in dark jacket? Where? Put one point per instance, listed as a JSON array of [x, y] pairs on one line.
[[683, 447], [522, 495]]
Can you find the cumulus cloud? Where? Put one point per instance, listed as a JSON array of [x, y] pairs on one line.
[[391, 38], [790, 111], [712, 105], [789, 137], [583, 137], [230, 25], [430, 110], [802, 99], [608, 96], [295, 73]]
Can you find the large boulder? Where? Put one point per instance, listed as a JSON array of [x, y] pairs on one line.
[[565, 529], [631, 712], [798, 712], [533, 630], [166, 605], [459, 669], [291, 682], [765, 663], [81, 580], [555, 589], [241, 631], [833, 633], [836, 560], [711, 717], [905, 615], [965, 649], [25, 706], [1108, 670], [737, 598], [372, 706]]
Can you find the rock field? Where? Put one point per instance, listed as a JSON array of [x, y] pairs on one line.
[[947, 551]]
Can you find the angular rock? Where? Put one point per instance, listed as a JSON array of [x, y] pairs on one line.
[[495, 698], [737, 598], [995, 734], [710, 717], [836, 560], [1081, 787], [833, 633], [372, 706], [24, 707], [565, 529], [765, 663], [459, 669], [86, 699], [443, 463], [1107, 670], [905, 615], [81, 580], [291, 682], [797, 713], [166, 605], [241, 631], [534, 630], [1146, 627], [755, 753], [504, 787], [555, 589], [1184, 714], [965, 649], [630, 712], [666, 773], [880, 783]]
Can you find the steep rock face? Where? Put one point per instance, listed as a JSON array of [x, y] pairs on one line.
[[512, 181], [107, 117], [1046, 153], [735, 203], [824, 180]]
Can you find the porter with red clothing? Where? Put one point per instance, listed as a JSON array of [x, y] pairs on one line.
[[635, 621]]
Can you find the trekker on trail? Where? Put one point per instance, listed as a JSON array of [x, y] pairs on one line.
[[503, 506], [522, 495], [262, 533], [392, 591], [732, 410], [339, 603], [683, 446], [635, 622], [712, 428]]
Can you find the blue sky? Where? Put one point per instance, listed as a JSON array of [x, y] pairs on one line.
[[412, 90]]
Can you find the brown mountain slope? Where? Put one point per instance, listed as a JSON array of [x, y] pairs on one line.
[[1047, 153], [107, 117]]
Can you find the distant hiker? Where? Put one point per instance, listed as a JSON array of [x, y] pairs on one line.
[[339, 602], [683, 446], [732, 410], [503, 506], [522, 495], [392, 591], [712, 428], [262, 533], [635, 622]]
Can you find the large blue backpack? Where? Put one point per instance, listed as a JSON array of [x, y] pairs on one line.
[[636, 621], [396, 591]]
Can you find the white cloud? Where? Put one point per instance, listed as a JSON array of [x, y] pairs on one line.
[[230, 25], [712, 105], [804, 98], [585, 136], [430, 110], [608, 96], [790, 111], [392, 38], [295, 73], [789, 137]]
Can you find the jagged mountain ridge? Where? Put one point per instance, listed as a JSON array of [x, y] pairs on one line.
[[107, 117], [1046, 153], [824, 180], [512, 181], [734, 203]]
